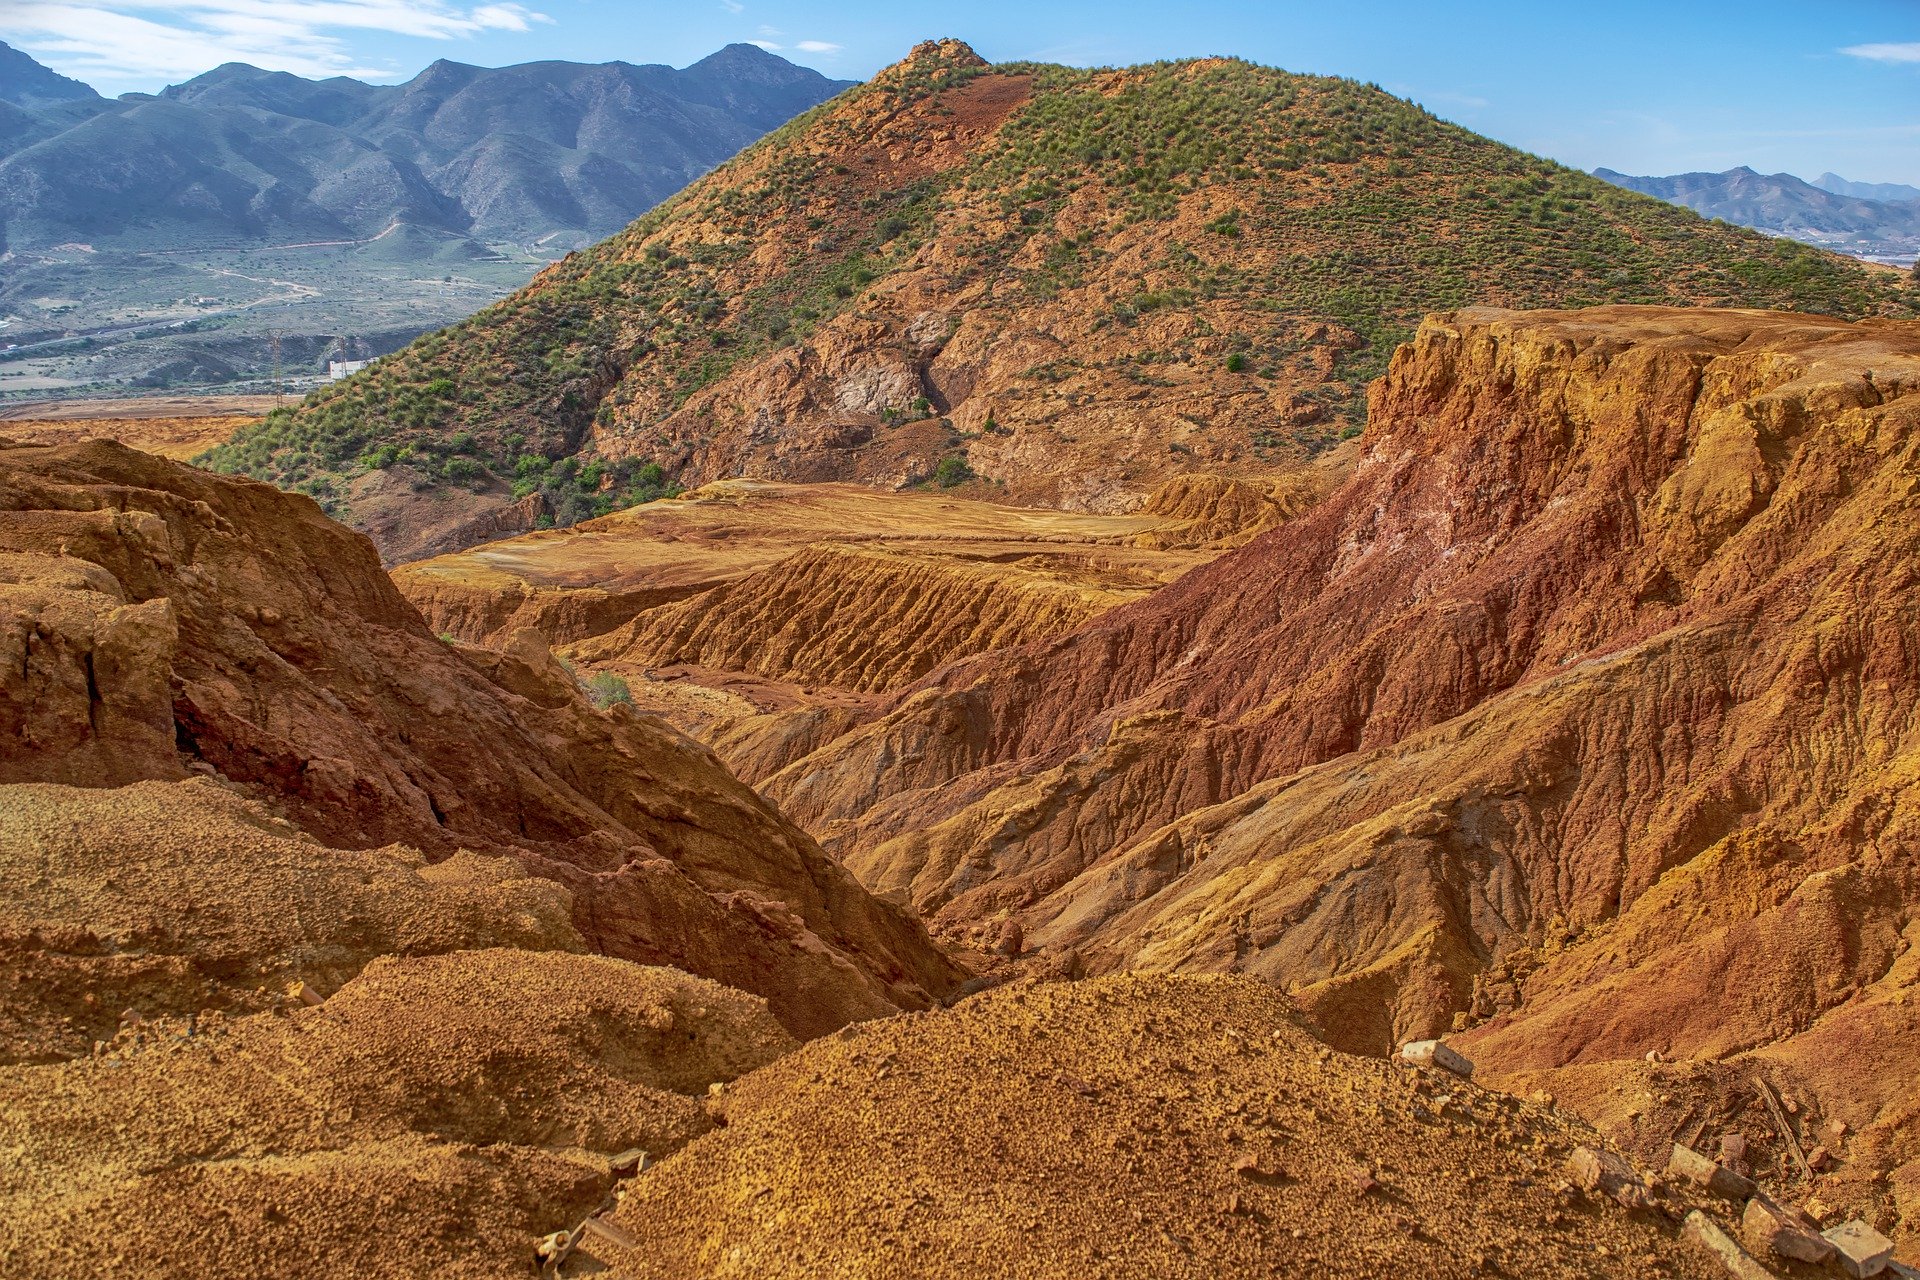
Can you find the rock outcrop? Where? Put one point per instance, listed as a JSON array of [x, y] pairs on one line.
[[157, 622]]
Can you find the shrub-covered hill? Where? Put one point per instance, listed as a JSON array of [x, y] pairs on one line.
[[1061, 286]]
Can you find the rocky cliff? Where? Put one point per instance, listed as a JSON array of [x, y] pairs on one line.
[[157, 623]]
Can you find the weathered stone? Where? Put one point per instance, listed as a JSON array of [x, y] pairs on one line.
[[1771, 1229], [1689, 1164], [617, 1236], [1705, 1232], [1435, 1053], [1604, 1173], [1859, 1249]]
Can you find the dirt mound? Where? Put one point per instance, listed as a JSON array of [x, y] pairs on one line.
[[1126, 1127], [434, 1117], [171, 898], [156, 621]]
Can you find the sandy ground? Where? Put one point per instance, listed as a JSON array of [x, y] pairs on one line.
[[175, 436]]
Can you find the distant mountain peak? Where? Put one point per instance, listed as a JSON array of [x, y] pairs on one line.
[[740, 51], [1890, 192], [26, 83], [1856, 218]]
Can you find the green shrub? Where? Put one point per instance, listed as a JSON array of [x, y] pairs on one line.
[[604, 688], [952, 470]]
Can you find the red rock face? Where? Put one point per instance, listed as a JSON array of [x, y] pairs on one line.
[[156, 621]]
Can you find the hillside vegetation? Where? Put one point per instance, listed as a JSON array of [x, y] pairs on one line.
[[1064, 284]]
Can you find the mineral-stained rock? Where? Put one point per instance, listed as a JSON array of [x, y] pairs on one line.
[[162, 621], [1713, 1241], [1687, 1163], [1606, 1174], [1599, 663], [1435, 1053], [1771, 1230], [1859, 1250]]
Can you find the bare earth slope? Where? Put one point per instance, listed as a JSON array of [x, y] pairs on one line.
[[585, 582], [170, 437], [158, 622], [1073, 284], [1584, 710], [178, 897], [749, 611]]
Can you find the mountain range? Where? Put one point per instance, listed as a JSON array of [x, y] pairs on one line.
[[248, 226], [1875, 221], [242, 156]]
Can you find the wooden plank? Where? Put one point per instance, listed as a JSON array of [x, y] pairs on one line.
[[1780, 1122]]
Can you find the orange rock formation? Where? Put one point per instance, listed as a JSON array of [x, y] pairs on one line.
[[157, 622]]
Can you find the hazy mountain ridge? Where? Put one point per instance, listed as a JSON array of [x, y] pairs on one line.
[[1896, 192], [161, 240], [1832, 213], [25, 83], [242, 155]]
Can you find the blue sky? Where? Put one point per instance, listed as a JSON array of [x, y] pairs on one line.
[[1641, 87]]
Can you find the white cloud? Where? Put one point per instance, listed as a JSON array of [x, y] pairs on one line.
[[768, 45], [817, 46], [732, 6], [118, 42], [1908, 52]]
